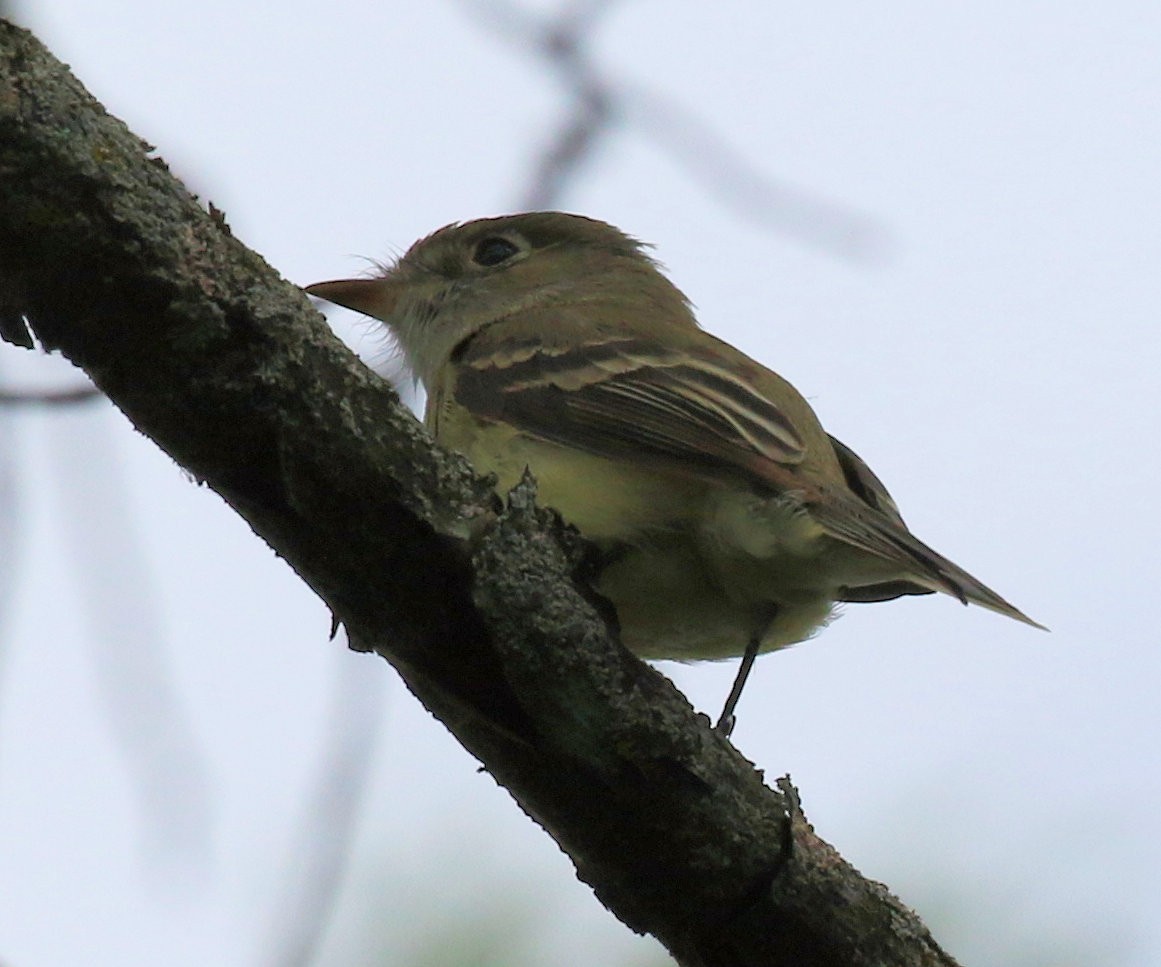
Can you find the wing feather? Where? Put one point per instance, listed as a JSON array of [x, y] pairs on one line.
[[629, 392]]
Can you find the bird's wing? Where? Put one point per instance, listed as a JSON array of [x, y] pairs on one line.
[[698, 409], [863, 482], [629, 396]]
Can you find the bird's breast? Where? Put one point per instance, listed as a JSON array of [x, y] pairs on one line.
[[610, 501]]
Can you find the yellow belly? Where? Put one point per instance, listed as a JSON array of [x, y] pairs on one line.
[[606, 500], [696, 568]]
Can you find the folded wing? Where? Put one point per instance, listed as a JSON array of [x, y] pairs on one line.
[[694, 409]]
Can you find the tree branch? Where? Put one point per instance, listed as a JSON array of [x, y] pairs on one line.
[[205, 349]]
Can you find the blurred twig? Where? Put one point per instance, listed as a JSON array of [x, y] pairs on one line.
[[139, 696], [748, 192], [10, 532], [140, 699], [597, 105], [322, 840], [49, 397]]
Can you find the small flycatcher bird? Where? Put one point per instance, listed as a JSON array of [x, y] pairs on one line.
[[731, 522]]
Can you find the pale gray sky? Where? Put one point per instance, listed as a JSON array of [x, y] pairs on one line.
[[995, 362]]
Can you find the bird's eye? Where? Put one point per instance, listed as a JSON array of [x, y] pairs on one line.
[[493, 251]]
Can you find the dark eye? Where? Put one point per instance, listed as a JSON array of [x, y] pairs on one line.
[[493, 251]]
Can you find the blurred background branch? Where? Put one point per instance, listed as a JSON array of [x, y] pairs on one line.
[[596, 105]]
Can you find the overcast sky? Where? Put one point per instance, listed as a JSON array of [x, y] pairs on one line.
[[955, 259]]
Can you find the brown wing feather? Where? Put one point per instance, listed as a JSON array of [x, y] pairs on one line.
[[628, 396]]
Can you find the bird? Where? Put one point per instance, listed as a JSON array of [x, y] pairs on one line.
[[729, 522]]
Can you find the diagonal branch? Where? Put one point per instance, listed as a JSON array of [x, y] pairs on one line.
[[226, 366]]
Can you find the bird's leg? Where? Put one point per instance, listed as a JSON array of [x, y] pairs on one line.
[[727, 720]]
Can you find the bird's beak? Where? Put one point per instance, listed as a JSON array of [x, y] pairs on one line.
[[372, 297]]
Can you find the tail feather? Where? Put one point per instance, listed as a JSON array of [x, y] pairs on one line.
[[876, 533]]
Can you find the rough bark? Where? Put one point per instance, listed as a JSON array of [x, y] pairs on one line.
[[480, 606]]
